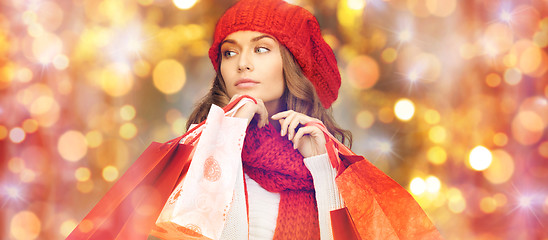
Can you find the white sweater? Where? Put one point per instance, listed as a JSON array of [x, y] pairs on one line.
[[263, 205]]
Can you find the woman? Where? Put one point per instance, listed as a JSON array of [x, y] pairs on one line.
[[274, 52]]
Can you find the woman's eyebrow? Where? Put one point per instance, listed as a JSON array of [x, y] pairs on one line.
[[255, 39]]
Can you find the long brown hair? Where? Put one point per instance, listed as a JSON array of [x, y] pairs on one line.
[[299, 96]]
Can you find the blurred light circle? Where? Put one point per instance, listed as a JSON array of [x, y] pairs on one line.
[[30, 125], [389, 55], [3, 132], [480, 158], [110, 173], [127, 112], [49, 14], [404, 109], [498, 37], [16, 165], [500, 139], [128, 130], [169, 76], [25, 225], [72, 146], [456, 202], [433, 184], [178, 126], [527, 128], [85, 226], [82, 174], [510, 60], [501, 199], [524, 20], [184, 4], [41, 105], [417, 186], [141, 68], [116, 81], [512, 76], [501, 168], [530, 59], [386, 115], [46, 47], [17, 135], [172, 115], [437, 134], [61, 62], [363, 72], [488, 204], [432, 116], [115, 147], [85, 186], [67, 227], [24, 75], [418, 8], [441, 8], [428, 66], [436, 155], [27, 175], [365, 119], [356, 4], [493, 80], [543, 149], [94, 139]]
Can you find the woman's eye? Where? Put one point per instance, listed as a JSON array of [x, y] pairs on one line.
[[261, 50], [229, 54]]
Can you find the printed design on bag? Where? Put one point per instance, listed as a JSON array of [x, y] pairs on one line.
[[212, 170], [173, 198], [190, 230]]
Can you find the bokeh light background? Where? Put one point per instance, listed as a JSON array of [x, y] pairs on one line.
[[448, 97]]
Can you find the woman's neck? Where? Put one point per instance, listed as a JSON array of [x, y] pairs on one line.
[[273, 107]]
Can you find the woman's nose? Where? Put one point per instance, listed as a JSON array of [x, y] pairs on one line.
[[245, 63]]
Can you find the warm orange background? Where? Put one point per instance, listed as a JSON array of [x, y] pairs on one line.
[[448, 97]]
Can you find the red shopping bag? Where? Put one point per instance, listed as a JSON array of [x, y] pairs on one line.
[[130, 208], [377, 206]]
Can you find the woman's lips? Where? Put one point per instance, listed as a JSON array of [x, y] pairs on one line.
[[245, 83]]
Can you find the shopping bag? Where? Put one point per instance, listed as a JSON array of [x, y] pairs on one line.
[[378, 207], [131, 207], [199, 206]]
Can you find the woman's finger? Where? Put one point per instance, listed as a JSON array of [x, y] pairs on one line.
[[284, 122], [317, 140]]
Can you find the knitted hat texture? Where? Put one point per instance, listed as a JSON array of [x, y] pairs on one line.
[[295, 28]]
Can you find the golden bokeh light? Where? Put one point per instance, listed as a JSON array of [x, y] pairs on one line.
[[501, 168], [3, 132], [417, 186], [512, 76], [25, 225], [67, 226], [142, 68], [437, 155], [365, 119], [363, 72], [27, 175], [389, 55], [501, 199], [85, 186], [493, 80], [356, 4], [488, 204], [82, 174], [441, 8], [85, 226], [30, 125], [480, 158], [386, 115], [500, 139], [116, 80], [17, 135], [433, 184], [127, 112], [94, 139], [404, 109], [179, 125], [527, 127], [50, 14], [72, 146], [110, 173], [543, 149], [16, 165], [169, 76], [127, 130], [184, 4], [61, 62], [432, 116], [456, 202], [24, 75], [437, 134]]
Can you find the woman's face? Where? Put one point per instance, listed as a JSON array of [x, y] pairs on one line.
[[251, 63]]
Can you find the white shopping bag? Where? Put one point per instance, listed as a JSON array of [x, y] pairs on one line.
[[200, 205]]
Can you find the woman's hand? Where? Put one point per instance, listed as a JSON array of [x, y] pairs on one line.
[[309, 140], [250, 110]]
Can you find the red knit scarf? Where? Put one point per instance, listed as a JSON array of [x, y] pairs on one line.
[[271, 161]]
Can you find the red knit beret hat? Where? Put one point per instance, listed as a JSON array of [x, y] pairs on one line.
[[295, 28]]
